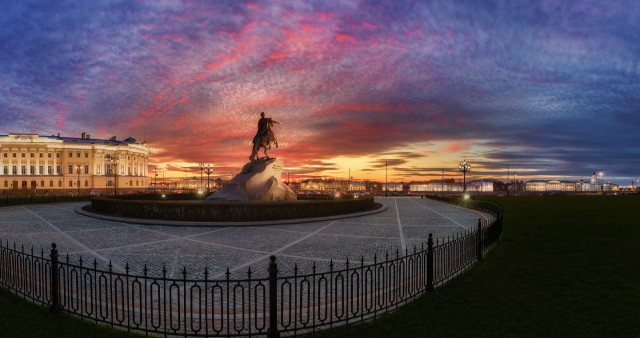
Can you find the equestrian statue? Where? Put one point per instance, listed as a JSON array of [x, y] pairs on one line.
[[263, 138]]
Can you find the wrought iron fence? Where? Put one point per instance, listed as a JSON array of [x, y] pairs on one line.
[[270, 305]]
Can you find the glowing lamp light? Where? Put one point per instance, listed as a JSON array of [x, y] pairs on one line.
[[466, 196], [164, 196]]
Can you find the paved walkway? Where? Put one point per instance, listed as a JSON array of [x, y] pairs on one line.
[[405, 224]]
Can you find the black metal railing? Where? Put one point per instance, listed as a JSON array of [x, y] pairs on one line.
[[268, 305]]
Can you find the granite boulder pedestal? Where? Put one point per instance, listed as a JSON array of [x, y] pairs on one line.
[[258, 181]]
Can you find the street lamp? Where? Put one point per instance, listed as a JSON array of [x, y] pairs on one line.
[[208, 170], [386, 178], [115, 162], [201, 165], [442, 183], [464, 167]]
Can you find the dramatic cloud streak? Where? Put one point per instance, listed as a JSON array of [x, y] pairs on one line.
[[549, 88]]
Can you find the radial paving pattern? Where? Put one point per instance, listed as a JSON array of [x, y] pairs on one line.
[[405, 224]]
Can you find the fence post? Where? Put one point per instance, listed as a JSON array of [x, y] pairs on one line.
[[430, 262], [273, 332], [55, 279], [479, 240]]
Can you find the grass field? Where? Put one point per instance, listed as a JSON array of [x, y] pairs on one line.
[[566, 266]]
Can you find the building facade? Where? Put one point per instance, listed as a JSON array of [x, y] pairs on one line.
[[450, 185], [36, 164]]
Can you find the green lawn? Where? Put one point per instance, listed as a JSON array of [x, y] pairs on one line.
[[566, 266]]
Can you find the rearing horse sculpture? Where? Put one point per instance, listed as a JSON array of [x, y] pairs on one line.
[[263, 140]]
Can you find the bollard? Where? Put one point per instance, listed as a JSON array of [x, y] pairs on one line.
[[430, 262], [273, 332], [55, 279], [479, 240]]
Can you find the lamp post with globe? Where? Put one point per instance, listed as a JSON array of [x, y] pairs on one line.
[[464, 167], [208, 170]]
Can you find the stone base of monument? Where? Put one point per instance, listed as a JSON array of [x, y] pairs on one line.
[[258, 181]]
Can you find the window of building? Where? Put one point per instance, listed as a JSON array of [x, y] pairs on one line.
[[57, 155], [42, 184], [39, 154], [24, 155], [6, 184], [49, 170], [78, 183], [41, 170], [49, 155], [109, 183], [14, 154], [57, 169], [70, 169], [51, 183], [86, 183], [86, 169], [86, 154], [24, 170], [131, 183], [70, 154], [70, 183], [32, 169], [78, 154], [137, 183], [6, 170], [78, 169], [24, 184], [60, 183], [5, 154], [14, 170], [128, 158], [31, 154]]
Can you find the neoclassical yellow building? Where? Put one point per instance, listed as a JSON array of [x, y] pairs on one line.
[[37, 164]]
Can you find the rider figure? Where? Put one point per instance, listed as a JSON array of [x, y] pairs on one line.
[[264, 128]]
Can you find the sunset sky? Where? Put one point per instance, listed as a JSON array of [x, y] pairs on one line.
[[550, 88]]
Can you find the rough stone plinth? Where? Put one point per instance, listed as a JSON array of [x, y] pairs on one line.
[[258, 181]]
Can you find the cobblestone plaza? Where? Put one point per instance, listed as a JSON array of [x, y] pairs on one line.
[[405, 224]]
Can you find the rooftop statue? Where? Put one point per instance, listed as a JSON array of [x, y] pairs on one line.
[[264, 137]]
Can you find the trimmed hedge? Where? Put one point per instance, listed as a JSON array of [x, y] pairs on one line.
[[227, 211]]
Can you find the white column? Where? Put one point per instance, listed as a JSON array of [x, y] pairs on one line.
[[46, 162], [28, 162], [37, 165], [103, 172], [55, 162], [10, 163], [126, 163], [19, 162]]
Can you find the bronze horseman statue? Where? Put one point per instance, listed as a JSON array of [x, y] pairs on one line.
[[263, 137]]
